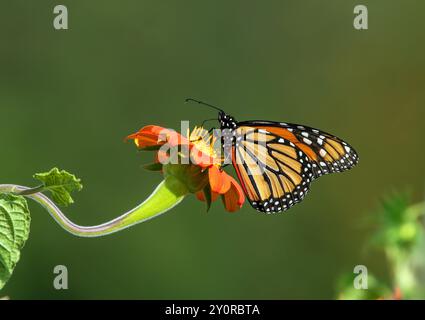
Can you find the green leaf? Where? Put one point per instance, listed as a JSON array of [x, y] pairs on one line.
[[61, 184], [14, 230]]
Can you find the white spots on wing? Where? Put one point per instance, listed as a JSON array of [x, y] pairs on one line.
[[281, 140], [300, 127], [319, 141], [322, 153], [323, 164], [290, 129], [305, 134], [307, 141], [347, 148]]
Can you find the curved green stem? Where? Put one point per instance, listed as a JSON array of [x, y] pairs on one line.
[[167, 194], [29, 191]]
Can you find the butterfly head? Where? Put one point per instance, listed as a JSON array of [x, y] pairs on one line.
[[226, 121]]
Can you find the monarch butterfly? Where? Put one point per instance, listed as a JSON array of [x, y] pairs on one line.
[[276, 162]]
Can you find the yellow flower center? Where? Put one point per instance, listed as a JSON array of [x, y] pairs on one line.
[[203, 141]]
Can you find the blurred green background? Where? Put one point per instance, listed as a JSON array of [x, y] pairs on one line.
[[67, 99]]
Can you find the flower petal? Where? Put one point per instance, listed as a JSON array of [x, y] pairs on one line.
[[155, 135], [226, 182], [234, 198], [219, 180], [215, 179], [199, 158], [200, 196]]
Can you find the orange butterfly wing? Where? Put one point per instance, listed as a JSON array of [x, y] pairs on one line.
[[276, 162]]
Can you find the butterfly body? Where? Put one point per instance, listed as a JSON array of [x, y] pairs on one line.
[[276, 162]]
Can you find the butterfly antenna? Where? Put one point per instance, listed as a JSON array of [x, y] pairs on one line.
[[204, 103], [203, 122]]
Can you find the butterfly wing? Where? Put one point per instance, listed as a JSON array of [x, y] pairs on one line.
[[327, 152], [274, 173], [276, 162]]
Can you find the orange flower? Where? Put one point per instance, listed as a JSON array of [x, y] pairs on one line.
[[222, 184], [156, 136], [200, 151]]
